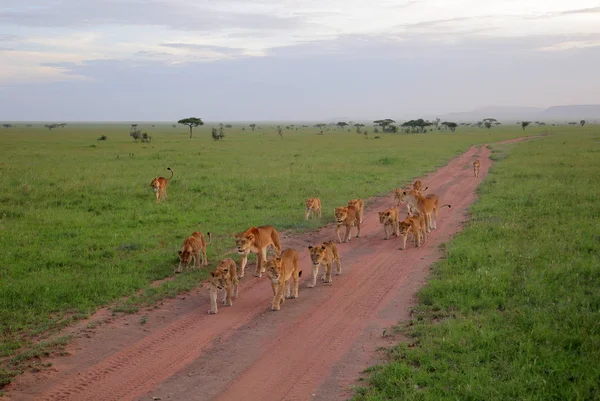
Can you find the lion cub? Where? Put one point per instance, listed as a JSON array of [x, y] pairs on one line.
[[414, 224], [359, 205], [191, 248], [476, 166], [313, 205], [159, 186], [256, 240], [346, 216], [325, 253], [282, 271], [390, 218], [224, 277]]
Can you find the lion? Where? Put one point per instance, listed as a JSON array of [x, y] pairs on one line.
[[191, 248], [414, 224], [418, 185], [256, 240], [428, 206], [159, 186], [476, 166], [359, 205], [312, 205], [390, 218], [346, 216], [224, 277], [282, 270], [325, 253], [400, 198]]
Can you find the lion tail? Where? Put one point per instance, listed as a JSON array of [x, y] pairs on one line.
[[209, 235], [449, 206], [169, 168], [300, 273]]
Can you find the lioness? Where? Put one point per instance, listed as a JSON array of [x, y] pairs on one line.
[[476, 166], [414, 224], [359, 205], [390, 218], [159, 186], [256, 240], [346, 216], [191, 248], [223, 277], [325, 253], [312, 205], [282, 270], [428, 206]]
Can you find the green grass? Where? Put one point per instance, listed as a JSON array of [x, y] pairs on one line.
[[513, 312], [79, 227]]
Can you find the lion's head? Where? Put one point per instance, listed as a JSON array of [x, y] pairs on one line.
[[385, 216], [221, 275], [341, 213], [310, 203], [317, 253], [244, 241], [155, 184], [273, 268]]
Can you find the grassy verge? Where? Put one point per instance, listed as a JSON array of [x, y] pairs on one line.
[[513, 312], [79, 227]]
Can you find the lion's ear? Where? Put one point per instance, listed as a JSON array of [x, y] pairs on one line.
[[278, 259], [236, 235], [250, 236], [179, 252], [310, 247], [212, 274], [323, 247]]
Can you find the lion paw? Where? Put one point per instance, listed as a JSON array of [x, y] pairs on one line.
[[212, 312], [275, 308], [310, 285]]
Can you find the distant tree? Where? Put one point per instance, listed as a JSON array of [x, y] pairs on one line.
[[228, 126], [102, 138], [28, 125], [174, 125], [221, 131], [384, 124], [215, 134], [191, 122], [136, 134], [582, 122], [342, 124], [280, 131], [450, 125], [7, 125], [416, 126], [572, 123], [487, 124], [252, 126], [358, 127], [146, 138], [321, 126], [525, 124]]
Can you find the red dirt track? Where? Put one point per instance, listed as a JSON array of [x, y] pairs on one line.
[[314, 348]]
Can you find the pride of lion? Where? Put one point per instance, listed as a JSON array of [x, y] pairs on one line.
[[283, 268]]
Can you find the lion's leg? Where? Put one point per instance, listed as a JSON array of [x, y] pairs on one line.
[[427, 222], [315, 273], [358, 228], [319, 212], [296, 285], [338, 261], [204, 258], [260, 258], [157, 194], [288, 289], [404, 237], [277, 297], [197, 259], [435, 216], [417, 236], [235, 287], [213, 301], [328, 268], [397, 228], [385, 229], [243, 264], [178, 270], [227, 300], [337, 230], [306, 214], [347, 235]]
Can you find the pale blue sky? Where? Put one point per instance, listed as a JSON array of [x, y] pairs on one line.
[[282, 59]]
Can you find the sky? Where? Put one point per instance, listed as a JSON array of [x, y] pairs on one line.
[[237, 60]]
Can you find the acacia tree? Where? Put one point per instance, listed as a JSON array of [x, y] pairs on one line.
[[280, 131], [582, 122], [342, 124], [191, 122], [384, 124], [252, 126], [358, 125], [525, 124]]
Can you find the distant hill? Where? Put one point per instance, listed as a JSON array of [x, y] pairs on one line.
[[554, 113]]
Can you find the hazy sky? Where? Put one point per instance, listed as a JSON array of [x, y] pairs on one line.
[[228, 60]]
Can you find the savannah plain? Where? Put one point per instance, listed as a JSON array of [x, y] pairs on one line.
[[511, 311]]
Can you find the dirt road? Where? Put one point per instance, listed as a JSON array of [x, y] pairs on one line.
[[314, 348]]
